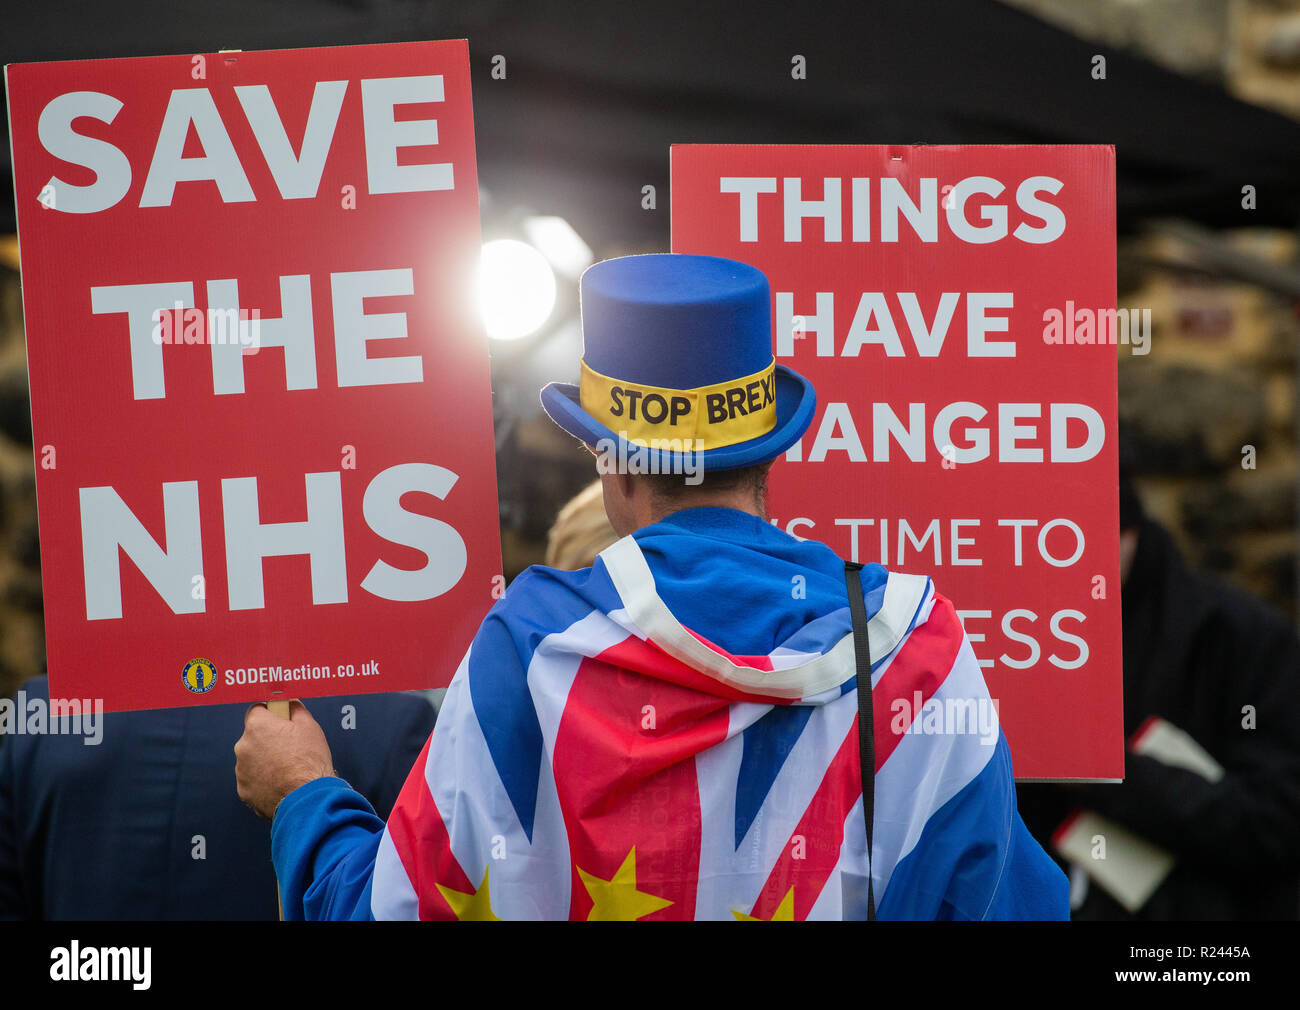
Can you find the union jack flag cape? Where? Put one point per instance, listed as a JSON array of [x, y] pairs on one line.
[[672, 734]]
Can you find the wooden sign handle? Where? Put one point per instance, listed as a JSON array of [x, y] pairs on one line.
[[280, 708]]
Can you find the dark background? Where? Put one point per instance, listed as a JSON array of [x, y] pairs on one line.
[[596, 92]]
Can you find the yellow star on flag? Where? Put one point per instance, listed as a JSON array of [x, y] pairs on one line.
[[784, 911], [617, 899], [475, 905]]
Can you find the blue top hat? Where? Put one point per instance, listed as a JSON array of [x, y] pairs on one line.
[[677, 359]]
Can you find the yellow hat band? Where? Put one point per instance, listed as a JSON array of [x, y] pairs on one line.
[[719, 415]]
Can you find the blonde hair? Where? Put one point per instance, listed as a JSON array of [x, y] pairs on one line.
[[581, 530]]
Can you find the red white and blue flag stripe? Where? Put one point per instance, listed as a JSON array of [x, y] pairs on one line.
[[600, 754]]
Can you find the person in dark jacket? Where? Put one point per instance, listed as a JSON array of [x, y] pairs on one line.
[[1225, 668], [146, 824]]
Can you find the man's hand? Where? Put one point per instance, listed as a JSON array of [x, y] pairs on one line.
[[275, 756]]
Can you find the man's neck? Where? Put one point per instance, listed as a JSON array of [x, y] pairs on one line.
[[739, 502]]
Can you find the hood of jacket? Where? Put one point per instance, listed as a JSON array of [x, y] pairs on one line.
[[749, 610]]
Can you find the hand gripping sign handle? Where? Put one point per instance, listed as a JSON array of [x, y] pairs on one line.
[[866, 722]]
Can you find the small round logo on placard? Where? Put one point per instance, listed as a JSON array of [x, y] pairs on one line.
[[200, 675]]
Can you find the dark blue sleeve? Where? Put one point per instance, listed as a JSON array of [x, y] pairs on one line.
[[325, 835], [324, 839]]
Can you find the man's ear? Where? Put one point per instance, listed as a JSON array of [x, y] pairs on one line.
[[626, 484]]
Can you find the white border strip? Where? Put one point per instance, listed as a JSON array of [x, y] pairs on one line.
[[635, 585]]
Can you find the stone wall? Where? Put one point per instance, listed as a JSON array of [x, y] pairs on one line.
[[1263, 62], [1210, 412], [22, 637], [1184, 35], [1221, 375], [1251, 46]]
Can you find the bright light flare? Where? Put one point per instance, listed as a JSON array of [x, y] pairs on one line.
[[516, 289], [559, 243]]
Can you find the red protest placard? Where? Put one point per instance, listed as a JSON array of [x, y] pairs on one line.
[[260, 393], [946, 303]]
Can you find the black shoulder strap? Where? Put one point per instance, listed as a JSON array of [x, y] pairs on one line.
[[866, 724]]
